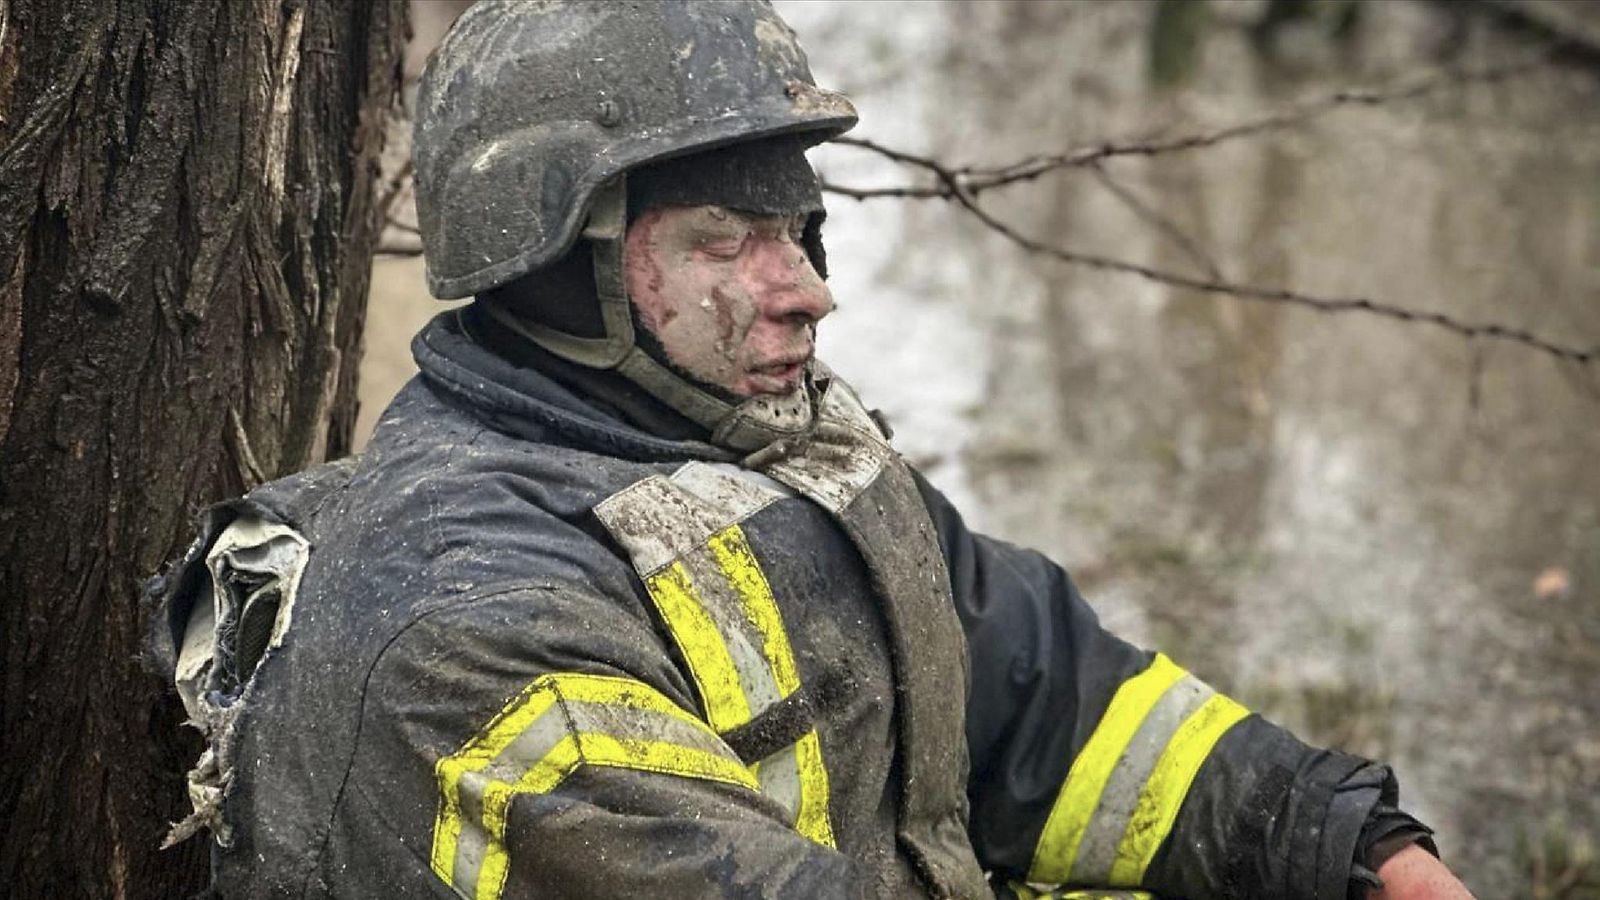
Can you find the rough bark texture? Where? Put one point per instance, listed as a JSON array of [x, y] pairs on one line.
[[186, 225]]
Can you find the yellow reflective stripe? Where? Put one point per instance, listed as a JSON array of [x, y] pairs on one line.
[[492, 873], [703, 648], [684, 539], [513, 720], [610, 751], [477, 753], [615, 691], [737, 562], [813, 822], [1086, 779], [1167, 786], [577, 748], [592, 749], [1027, 892]]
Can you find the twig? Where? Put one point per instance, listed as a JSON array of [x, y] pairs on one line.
[[977, 179], [393, 188], [401, 250], [1156, 220], [406, 227], [1490, 331]]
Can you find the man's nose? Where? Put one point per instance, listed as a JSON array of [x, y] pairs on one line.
[[792, 289]]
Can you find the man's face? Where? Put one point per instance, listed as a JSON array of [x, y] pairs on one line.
[[732, 297]]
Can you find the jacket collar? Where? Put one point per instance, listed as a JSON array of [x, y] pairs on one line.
[[529, 404]]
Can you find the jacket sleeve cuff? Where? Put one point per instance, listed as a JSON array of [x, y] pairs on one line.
[[1272, 817], [1350, 806], [1387, 831]]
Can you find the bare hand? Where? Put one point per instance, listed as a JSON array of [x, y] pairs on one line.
[[1414, 874]]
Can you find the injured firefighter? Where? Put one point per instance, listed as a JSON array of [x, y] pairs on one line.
[[630, 595]]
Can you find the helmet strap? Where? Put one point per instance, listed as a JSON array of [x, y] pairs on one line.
[[749, 425]]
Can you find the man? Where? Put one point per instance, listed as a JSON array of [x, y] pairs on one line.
[[629, 594]]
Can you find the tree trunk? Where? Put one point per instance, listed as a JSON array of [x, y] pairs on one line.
[[187, 217]]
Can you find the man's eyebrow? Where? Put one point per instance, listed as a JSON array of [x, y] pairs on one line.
[[750, 217], [786, 221]]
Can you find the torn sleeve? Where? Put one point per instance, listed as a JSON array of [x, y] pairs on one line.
[[227, 605]]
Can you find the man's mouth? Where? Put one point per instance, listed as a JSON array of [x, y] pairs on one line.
[[783, 373]]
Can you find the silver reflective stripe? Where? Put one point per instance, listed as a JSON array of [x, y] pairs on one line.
[[738, 493], [722, 604], [1098, 850], [744, 642], [629, 723], [690, 477], [1027, 892], [529, 747], [652, 521], [658, 519], [780, 779]]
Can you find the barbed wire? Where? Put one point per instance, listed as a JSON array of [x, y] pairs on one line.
[[963, 184], [977, 179], [950, 179]]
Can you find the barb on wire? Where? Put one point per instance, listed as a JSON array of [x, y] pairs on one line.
[[951, 180], [977, 179]]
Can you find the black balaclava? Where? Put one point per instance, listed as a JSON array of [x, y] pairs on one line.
[[764, 177]]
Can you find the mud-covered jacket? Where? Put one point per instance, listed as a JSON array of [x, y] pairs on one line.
[[518, 648]]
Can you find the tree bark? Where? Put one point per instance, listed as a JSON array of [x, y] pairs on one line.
[[186, 227]]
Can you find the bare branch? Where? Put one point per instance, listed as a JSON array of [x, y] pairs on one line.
[[977, 179], [397, 224], [952, 182], [393, 188], [400, 250], [1156, 220]]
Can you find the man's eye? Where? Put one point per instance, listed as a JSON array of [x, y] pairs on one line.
[[725, 248]]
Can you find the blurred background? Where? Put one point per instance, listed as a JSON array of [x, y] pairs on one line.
[[1382, 534]]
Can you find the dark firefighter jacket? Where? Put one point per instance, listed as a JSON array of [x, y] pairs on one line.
[[518, 648]]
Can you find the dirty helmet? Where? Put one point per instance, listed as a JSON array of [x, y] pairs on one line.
[[529, 114], [532, 112]]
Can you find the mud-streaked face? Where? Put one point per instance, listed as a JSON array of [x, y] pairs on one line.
[[732, 297]]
